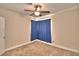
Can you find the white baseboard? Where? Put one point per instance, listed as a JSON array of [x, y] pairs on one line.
[[52, 44], [2, 53], [66, 48], [19, 45]]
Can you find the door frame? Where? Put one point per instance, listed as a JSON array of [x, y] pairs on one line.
[[3, 37]]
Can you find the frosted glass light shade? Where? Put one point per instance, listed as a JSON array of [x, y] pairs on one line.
[[37, 13]]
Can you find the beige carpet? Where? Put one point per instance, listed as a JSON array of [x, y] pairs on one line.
[[39, 49]]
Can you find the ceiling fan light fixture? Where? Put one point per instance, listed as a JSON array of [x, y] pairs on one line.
[[37, 13]]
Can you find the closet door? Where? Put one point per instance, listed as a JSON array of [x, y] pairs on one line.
[[2, 34]]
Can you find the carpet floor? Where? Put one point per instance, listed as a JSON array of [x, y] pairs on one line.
[[39, 49]]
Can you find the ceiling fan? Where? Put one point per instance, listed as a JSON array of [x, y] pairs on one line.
[[37, 10]]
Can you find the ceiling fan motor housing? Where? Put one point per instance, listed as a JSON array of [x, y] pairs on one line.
[[36, 6]]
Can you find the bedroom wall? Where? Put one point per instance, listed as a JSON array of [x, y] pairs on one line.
[[17, 28], [66, 28]]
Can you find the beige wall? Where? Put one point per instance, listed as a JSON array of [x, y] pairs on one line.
[[17, 28], [66, 29]]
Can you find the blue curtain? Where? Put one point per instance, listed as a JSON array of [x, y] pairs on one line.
[[41, 30]]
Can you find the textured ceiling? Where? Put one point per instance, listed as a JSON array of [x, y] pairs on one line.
[[53, 7]]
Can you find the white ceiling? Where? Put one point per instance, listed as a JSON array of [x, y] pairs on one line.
[[53, 7]]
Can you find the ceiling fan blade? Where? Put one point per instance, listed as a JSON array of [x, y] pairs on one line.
[[45, 11], [31, 14], [28, 10], [29, 3]]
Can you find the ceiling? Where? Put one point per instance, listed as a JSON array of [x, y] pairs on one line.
[[53, 7]]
